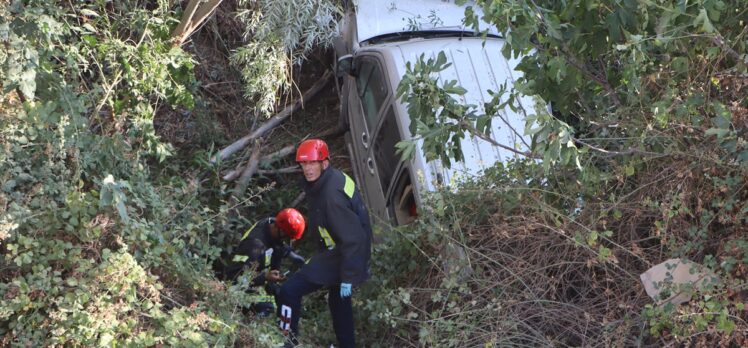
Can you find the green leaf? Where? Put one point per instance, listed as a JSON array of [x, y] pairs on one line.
[[27, 83], [703, 18], [441, 59], [592, 238], [406, 149], [629, 170], [719, 132], [89, 13], [89, 28]]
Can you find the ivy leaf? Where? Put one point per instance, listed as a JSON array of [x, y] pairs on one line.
[[27, 83], [122, 210], [703, 18]]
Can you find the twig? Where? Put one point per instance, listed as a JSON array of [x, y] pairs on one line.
[[618, 153], [720, 41], [493, 142]]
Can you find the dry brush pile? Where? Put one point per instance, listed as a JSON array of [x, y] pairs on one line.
[[546, 269]]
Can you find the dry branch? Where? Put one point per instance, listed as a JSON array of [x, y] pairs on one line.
[[298, 199], [195, 14], [249, 171], [275, 120], [272, 157], [265, 160], [286, 170]]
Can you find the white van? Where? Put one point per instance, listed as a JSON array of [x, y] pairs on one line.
[[377, 39]]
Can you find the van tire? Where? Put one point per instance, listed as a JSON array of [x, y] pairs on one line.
[[343, 122]]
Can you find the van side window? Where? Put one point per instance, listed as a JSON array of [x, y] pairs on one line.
[[371, 89], [384, 148]]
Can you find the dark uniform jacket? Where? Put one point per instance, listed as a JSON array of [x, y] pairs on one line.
[[338, 218], [259, 248]]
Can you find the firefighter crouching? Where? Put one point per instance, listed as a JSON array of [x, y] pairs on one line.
[[263, 245]]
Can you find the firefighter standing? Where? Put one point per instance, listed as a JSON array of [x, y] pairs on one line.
[[338, 217], [263, 245]]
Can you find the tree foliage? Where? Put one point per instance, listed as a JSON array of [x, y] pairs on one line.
[[278, 36]]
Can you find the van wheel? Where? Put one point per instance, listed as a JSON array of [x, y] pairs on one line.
[[343, 123]]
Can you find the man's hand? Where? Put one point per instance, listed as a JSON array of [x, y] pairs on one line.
[[345, 290], [273, 276]]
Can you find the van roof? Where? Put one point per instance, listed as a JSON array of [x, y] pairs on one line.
[[477, 66], [375, 18]]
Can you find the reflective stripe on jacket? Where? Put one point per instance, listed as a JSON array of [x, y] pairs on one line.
[[257, 246]]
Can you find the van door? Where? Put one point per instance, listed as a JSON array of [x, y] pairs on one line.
[[382, 161], [366, 107]]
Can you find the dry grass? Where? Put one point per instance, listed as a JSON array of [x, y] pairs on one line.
[[533, 285]]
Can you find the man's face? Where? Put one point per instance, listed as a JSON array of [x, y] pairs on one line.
[[312, 169]]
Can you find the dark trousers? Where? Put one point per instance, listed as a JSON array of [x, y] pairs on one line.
[[289, 309]]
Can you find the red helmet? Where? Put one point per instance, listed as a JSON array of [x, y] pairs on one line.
[[312, 150], [291, 222]]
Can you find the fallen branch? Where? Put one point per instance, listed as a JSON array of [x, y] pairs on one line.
[[272, 157], [249, 171], [195, 14], [332, 132], [275, 120], [286, 170], [265, 160], [298, 199]]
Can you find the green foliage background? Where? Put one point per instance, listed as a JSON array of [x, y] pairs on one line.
[[104, 236]]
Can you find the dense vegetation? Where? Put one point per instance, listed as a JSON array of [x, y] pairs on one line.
[[111, 213], [106, 237], [644, 158]]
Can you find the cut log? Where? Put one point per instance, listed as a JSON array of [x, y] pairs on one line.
[[275, 120]]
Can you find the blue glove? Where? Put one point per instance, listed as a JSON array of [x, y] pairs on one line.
[[345, 290]]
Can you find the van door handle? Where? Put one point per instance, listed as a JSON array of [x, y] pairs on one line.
[[365, 140], [370, 165]]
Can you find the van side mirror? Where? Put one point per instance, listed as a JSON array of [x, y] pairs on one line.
[[344, 66]]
